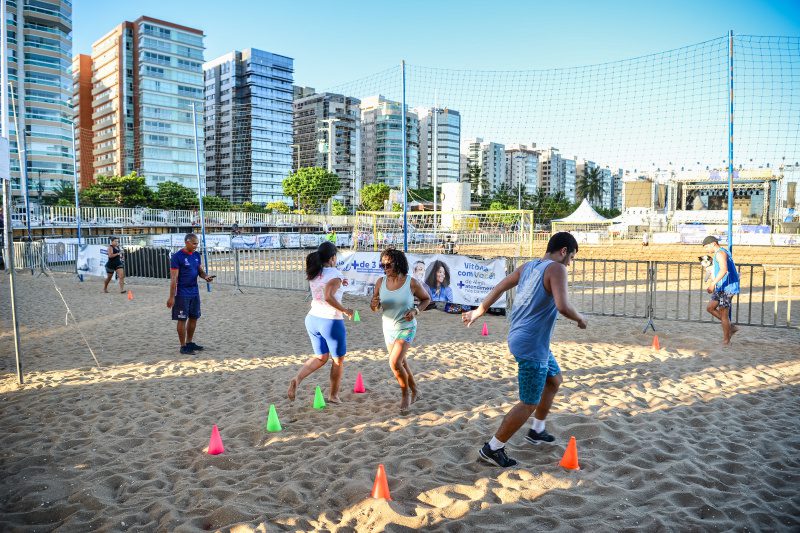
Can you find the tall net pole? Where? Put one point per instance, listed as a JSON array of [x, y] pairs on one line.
[[730, 144], [405, 162], [6, 181], [200, 192], [75, 185]]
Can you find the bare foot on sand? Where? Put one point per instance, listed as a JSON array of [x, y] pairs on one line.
[[414, 396], [404, 404], [334, 399], [734, 329], [292, 389], [105, 291]]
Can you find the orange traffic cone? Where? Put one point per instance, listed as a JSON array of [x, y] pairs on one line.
[[215, 444], [570, 459], [656, 345], [130, 295], [380, 490]]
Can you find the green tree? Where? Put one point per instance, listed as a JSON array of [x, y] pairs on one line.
[[338, 208], [611, 212], [118, 191], [250, 207], [216, 203], [311, 187], [173, 195], [278, 207], [64, 195], [424, 194], [590, 185], [374, 195]]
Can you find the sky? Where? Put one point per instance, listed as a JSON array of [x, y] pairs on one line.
[[336, 42]]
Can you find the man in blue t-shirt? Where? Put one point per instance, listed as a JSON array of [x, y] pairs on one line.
[[184, 296], [541, 296], [722, 287]]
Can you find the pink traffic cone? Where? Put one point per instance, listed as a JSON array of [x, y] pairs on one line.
[[215, 444], [485, 330], [359, 386]]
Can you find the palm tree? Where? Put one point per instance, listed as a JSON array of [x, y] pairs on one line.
[[478, 184], [590, 185]]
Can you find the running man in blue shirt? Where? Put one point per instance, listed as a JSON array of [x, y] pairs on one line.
[[542, 294], [722, 287], [184, 296]]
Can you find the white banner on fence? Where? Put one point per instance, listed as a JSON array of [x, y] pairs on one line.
[[447, 278], [92, 259], [61, 250]]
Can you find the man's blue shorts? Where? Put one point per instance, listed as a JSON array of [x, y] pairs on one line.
[[328, 335], [186, 307], [532, 376]]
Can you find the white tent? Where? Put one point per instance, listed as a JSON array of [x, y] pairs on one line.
[[584, 219], [585, 214]]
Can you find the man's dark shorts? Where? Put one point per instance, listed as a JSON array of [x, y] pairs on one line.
[[723, 298], [186, 307]]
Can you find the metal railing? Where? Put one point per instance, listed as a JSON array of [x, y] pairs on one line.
[[65, 216], [650, 290], [672, 290]]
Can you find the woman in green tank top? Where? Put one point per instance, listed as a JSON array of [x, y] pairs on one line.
[[394, 296]]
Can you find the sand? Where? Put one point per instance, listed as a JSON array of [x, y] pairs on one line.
[[695, 437]]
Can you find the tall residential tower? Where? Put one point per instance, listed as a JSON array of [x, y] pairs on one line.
[[248, 134], [146, 78], [39, 49]]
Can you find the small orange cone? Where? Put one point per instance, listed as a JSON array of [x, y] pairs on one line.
[[130, 295], [485, 330], [570, 459], [380, 490], [656, 345], [215, 446]]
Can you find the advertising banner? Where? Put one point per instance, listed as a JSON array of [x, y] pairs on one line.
[[290, 240], [92, 259], [61, 250], [245, 241], [447, 278], [268, 240]]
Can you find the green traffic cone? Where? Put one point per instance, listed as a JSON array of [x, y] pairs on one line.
[[356, 318], [319, 401], [273, 424]]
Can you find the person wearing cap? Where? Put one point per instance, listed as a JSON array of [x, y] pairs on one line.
[[723, 286]]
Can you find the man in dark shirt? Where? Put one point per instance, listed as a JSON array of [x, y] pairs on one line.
[[184, 295]]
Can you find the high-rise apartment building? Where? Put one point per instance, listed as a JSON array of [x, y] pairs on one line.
[[439, 142], [382, 143], [327, 134], [557, 174], [39, 39], [248, 132], [522, 168], [568, 173], [491, 158], [616, 188], [82, 112], [147, 78]]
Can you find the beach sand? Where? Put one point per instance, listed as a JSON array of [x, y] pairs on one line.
[[694, 437]]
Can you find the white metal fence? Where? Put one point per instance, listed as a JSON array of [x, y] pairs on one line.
[[65, 216]]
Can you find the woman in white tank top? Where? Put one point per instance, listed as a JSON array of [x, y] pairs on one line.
[[325, 319]]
